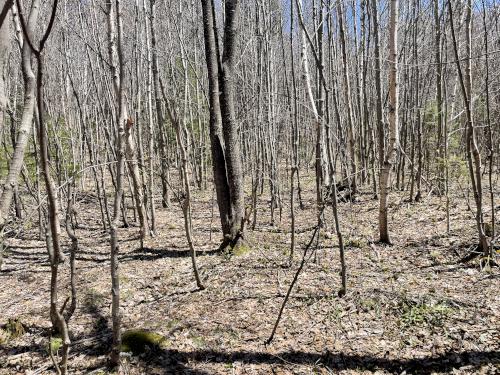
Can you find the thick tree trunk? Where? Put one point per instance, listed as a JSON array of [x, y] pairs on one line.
[[216, 140], [229, 123], [226, 161]]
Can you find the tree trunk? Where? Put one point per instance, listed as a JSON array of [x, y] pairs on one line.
[[347, 99], [117, 72], [226, 161], [25, 128], [5, 41], [393, 121], [229, 124], [472, 151], [378, 85]]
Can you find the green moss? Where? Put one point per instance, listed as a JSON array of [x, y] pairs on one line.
[[434, 255], [423, 312], [172, 324], [198, 341], [55, 344], [126, 294], [240, 249], [137, 340], [368, 304]]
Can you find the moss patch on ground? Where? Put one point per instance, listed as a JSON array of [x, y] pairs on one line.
[[137, 341]]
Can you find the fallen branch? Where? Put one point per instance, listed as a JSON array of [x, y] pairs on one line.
[[295, 278]]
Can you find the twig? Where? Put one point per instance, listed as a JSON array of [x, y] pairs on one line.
[[295, 278]]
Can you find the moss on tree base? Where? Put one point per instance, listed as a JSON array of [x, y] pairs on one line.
[[240, 249], [234, 247]]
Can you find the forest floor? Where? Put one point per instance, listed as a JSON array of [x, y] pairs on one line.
[[410, 308]]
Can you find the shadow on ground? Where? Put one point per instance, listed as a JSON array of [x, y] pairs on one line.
[[172, 361], [15, 260], [149, 254], [180, 362]]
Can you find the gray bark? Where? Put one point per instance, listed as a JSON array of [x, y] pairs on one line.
[[25, 127]]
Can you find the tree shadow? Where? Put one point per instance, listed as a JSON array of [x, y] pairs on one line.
[[150, 254], [26, 247], [96, 343], [101, 334], [15, 261], [172, 360], [15, 258], [31, 329], [86, 254], [43, 267]]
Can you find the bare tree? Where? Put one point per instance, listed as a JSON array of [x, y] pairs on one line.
[[472, 150], [5, 40], [229, 122], [115, 37], [347, 100], [388, 160], [378, 82], [321, 159], [5, 7], [59, 322], [491, 151], [223, 126], [25, 127]]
